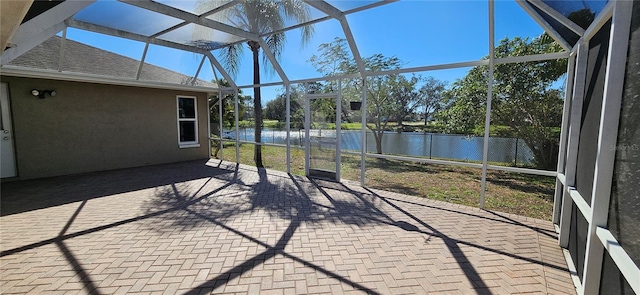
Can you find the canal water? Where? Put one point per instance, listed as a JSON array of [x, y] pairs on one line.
[[432, 145]]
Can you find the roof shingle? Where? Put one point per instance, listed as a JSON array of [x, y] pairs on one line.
[[83, 58]]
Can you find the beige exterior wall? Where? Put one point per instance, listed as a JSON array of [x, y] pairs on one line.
[[91, 127]]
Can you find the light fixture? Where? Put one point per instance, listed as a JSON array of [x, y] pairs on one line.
[[41, 93]]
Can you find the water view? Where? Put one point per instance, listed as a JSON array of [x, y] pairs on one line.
[[431, 145]]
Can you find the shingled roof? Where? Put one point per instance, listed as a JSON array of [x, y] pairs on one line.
[[83, 58]]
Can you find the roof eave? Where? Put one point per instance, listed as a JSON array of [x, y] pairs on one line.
[[16, 71]]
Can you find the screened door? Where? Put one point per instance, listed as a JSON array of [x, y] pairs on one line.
[[323, 136]]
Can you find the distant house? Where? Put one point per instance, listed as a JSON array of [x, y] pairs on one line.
[[100, 117]]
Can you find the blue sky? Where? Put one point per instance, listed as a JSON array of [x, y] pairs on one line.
[[419, 32]]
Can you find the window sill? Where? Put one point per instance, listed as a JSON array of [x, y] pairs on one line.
[[188, 145]]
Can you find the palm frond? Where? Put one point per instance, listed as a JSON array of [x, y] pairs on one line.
[[236, 17], [271, 18], [263, 17], [249, 12], [203, 6], [307, 33], [231, 58], [300, 12], [275, 43]]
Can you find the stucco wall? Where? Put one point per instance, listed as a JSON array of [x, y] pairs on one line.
[[92, 127]]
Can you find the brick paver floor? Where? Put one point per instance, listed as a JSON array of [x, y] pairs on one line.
[[217, 227]]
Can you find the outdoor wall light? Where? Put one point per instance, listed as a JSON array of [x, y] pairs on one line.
[[41, 93]]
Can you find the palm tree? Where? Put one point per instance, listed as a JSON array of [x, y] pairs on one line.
[[262, 17]]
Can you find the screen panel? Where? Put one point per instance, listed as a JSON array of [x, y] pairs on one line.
[[624, 208], [566, 33], [611, 280], [125, 17], [580, 12], [592, 106], [578, 239], [556, 217]]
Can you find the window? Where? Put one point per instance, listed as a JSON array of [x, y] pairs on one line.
[[187, 122]]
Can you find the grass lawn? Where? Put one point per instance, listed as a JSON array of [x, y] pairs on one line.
[[517, 193]]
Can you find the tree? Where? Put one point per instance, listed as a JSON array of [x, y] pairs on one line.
[[277, 108], [430, 96], [228, 114], [380, 104], [405, 96], [333, 59], [583, 17], [228, 104], [523, 98], [464, 104], [262, 17]]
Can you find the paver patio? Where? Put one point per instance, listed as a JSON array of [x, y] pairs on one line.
[[216, 227]]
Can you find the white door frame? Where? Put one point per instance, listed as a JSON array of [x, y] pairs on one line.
[[307, 126], [8, 161]]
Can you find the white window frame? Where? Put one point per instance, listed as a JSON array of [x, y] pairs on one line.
[[187, 144]]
